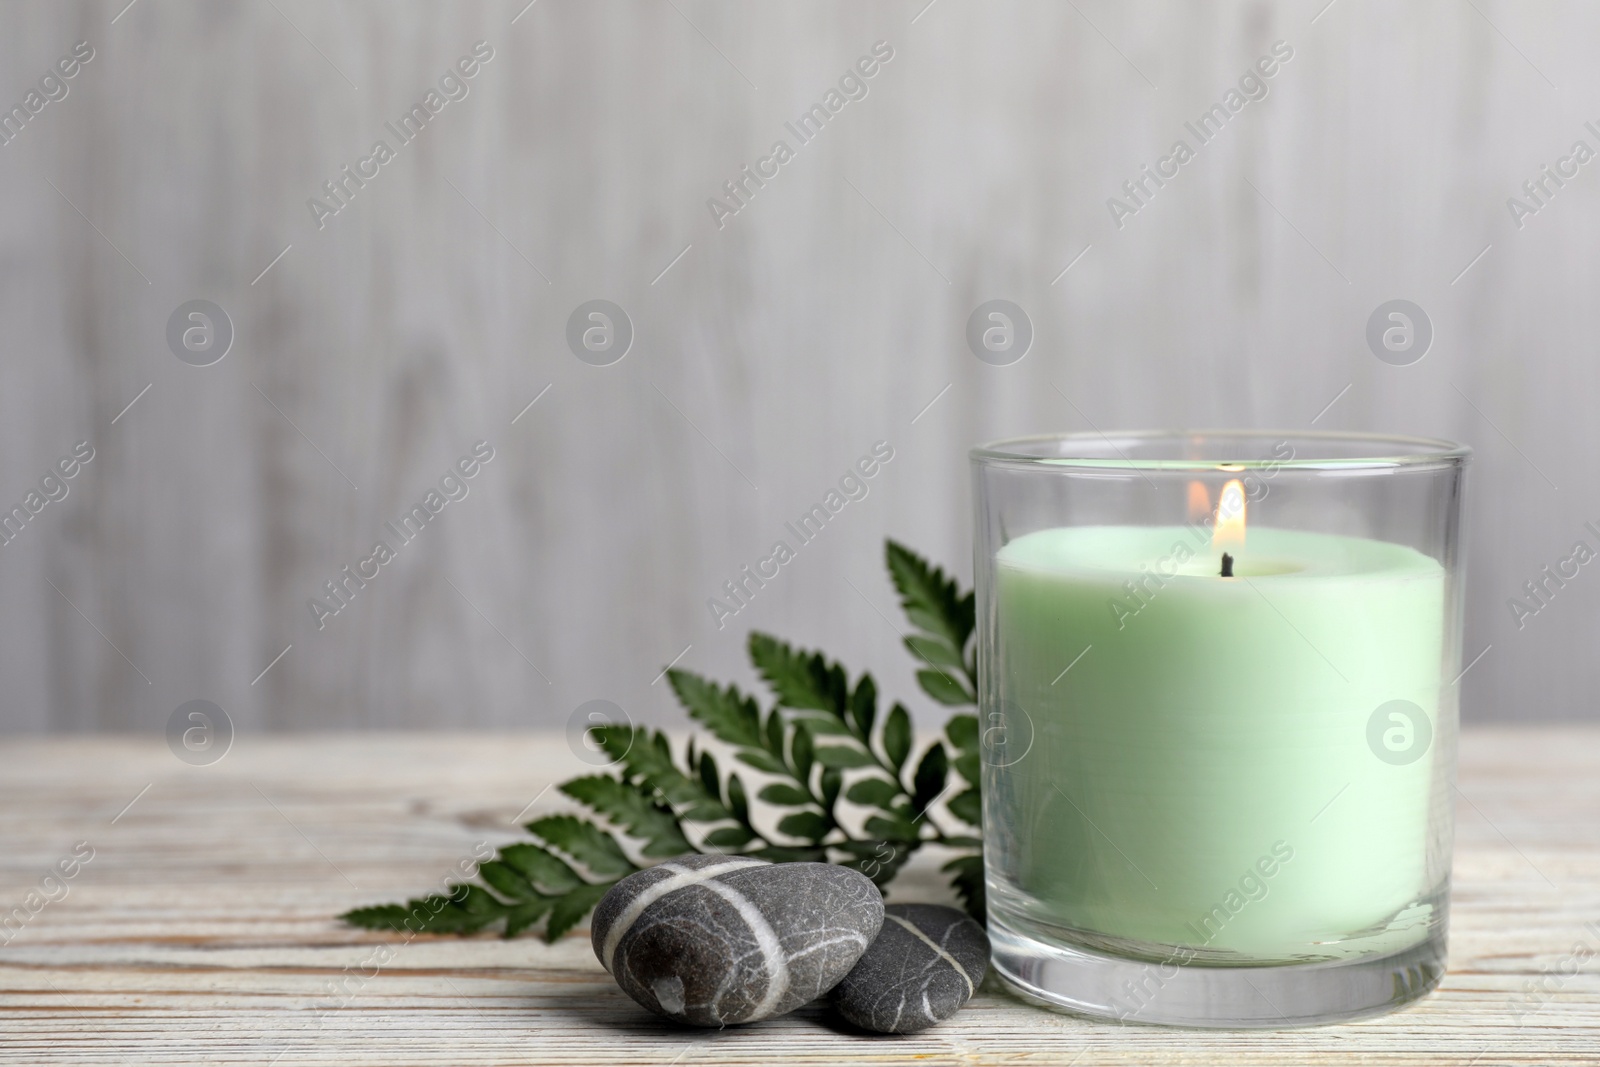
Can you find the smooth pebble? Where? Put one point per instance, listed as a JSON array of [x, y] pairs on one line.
[[926, 963], [719, 940]]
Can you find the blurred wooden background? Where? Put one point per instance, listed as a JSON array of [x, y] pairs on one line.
[[768, 354]]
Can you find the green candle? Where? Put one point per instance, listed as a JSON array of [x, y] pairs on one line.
[[1193, 762]]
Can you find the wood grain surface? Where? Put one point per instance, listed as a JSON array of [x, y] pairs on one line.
[[201, 930], [830, 313]]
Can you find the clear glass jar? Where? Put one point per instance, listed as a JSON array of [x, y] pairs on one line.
[[1218, 698]]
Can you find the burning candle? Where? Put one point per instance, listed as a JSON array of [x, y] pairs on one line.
[[1210, 744], [1217, 710]]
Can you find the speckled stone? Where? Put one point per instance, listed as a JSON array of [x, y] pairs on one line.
[[926, 963], [718, 940]]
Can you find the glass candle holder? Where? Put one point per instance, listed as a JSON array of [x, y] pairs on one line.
[[1218, 705]]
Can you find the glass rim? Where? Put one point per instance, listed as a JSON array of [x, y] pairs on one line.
[[1100, 452]]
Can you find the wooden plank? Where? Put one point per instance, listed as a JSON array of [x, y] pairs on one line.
[[792, 337], [201, 930]]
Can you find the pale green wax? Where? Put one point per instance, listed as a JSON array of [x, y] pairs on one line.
[[1211, 724]]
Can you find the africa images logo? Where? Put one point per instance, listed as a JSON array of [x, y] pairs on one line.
[[453, 86], [852, 85]]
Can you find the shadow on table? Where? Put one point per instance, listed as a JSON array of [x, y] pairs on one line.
[[623, 1017]]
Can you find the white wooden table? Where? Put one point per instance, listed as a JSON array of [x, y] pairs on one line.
[[202, 929]]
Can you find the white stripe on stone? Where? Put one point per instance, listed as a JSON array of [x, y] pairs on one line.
[[767, 938], [669, 994], [680, 877], [931, 943]]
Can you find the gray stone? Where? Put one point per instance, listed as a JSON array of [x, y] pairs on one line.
[[926, 963], [718, 940]]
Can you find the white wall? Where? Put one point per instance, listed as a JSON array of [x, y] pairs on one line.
[[821, 318]]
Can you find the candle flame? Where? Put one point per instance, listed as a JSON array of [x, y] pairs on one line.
[[1199, 501], [1228, 531]]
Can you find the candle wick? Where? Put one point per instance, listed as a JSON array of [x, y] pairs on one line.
[[1227, 565]]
